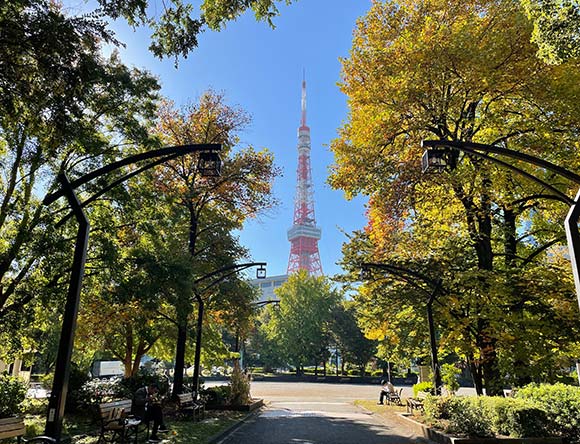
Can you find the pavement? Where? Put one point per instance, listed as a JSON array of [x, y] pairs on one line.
[[318, 413]]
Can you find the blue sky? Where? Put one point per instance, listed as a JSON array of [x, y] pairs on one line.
[[260, 70]]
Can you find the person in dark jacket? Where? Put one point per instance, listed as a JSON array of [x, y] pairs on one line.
[[147, 405]]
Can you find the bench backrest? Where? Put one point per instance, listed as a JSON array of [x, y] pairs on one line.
[[111, 408], [422, 395], [11, 427], [185, 398]]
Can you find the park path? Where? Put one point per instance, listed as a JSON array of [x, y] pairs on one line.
[[311, 413]]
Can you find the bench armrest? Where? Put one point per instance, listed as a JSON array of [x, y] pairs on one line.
[[40, 439]]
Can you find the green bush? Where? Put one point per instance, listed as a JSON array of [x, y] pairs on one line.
[[145, 377], [562, 406], [425, 386], [449, 377], [32, 406], [240, 387], [462, 415], [487, 416], [12, 393], [218, 395], [75, 396]]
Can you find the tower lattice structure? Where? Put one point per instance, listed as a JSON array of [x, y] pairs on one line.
[[304, 234]]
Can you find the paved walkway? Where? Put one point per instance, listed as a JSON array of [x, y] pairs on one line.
[[309, 413]]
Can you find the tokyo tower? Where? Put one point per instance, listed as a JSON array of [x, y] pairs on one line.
[[304, 234]]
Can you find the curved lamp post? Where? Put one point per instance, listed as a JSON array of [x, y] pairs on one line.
[[410, 277], [209, 165], [180, 354], [441, 155]]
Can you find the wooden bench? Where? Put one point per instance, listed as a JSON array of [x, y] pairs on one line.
[[416, 403], [116, 422], [395, 397], [15, 428], [12, 428], [189, 406]]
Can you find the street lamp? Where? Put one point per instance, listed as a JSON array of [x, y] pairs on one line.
[[57, 400], [180, 352], [434, 149], [410, 276]]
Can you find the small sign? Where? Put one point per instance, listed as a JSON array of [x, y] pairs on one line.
[[51, 414]]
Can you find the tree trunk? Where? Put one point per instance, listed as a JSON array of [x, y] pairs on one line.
[[475, 371], [179, 359], [491, 374], [324, 369], [128, 358], [316, 369]]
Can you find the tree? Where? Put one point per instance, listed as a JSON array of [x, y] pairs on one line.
[[64, 107], [176, 29], [302, 321], [209, 210], [457, 71], [556, 30], [353, 345]]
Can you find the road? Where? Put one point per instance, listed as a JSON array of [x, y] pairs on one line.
[[317, 413]]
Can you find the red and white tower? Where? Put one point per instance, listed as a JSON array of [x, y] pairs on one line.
[[304, 234]]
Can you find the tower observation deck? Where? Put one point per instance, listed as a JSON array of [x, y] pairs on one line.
[[304, 234]]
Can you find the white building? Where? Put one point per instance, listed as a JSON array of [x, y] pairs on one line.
[[268, 285]]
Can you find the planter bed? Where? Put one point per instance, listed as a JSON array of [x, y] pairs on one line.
[[443, 438], [238, 408]]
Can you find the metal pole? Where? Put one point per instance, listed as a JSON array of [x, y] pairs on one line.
[[573, 236], [57, 399], [432, 340], [198, 333]]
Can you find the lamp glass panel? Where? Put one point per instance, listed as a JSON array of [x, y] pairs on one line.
[[210, 164]]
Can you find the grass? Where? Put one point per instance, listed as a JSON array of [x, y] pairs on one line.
[[382, 410], [84, 430]]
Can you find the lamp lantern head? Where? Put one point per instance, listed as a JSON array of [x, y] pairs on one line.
[[209, 164], [365, 273], [261, 272], [436, 160]]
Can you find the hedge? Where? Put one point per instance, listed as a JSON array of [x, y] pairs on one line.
[[487, 416], [562, 406]]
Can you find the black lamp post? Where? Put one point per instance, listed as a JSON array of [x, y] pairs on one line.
[[436, 158], [57, 400], [180, 359], [410, 276]]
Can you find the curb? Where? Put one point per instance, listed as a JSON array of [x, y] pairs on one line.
[[219, 437]]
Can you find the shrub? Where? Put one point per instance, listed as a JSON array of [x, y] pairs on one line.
[[449, 377], [487, 416], [12, 393], [97, 391], [425, 386], [145, 377], [561, 404], [32, 406], [438, 407], [240, 387], [74, 397], [218, 395]]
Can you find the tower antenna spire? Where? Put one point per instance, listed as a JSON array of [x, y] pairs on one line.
[[303, 102]]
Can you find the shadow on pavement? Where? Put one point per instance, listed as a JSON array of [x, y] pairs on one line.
[[284, 427]]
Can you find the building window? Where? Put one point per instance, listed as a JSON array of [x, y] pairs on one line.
[[266, 284]]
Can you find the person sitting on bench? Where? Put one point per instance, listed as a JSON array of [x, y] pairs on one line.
[[148, 407], [386, 389]]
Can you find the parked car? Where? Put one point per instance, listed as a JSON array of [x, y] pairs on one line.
[[36, 390]]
